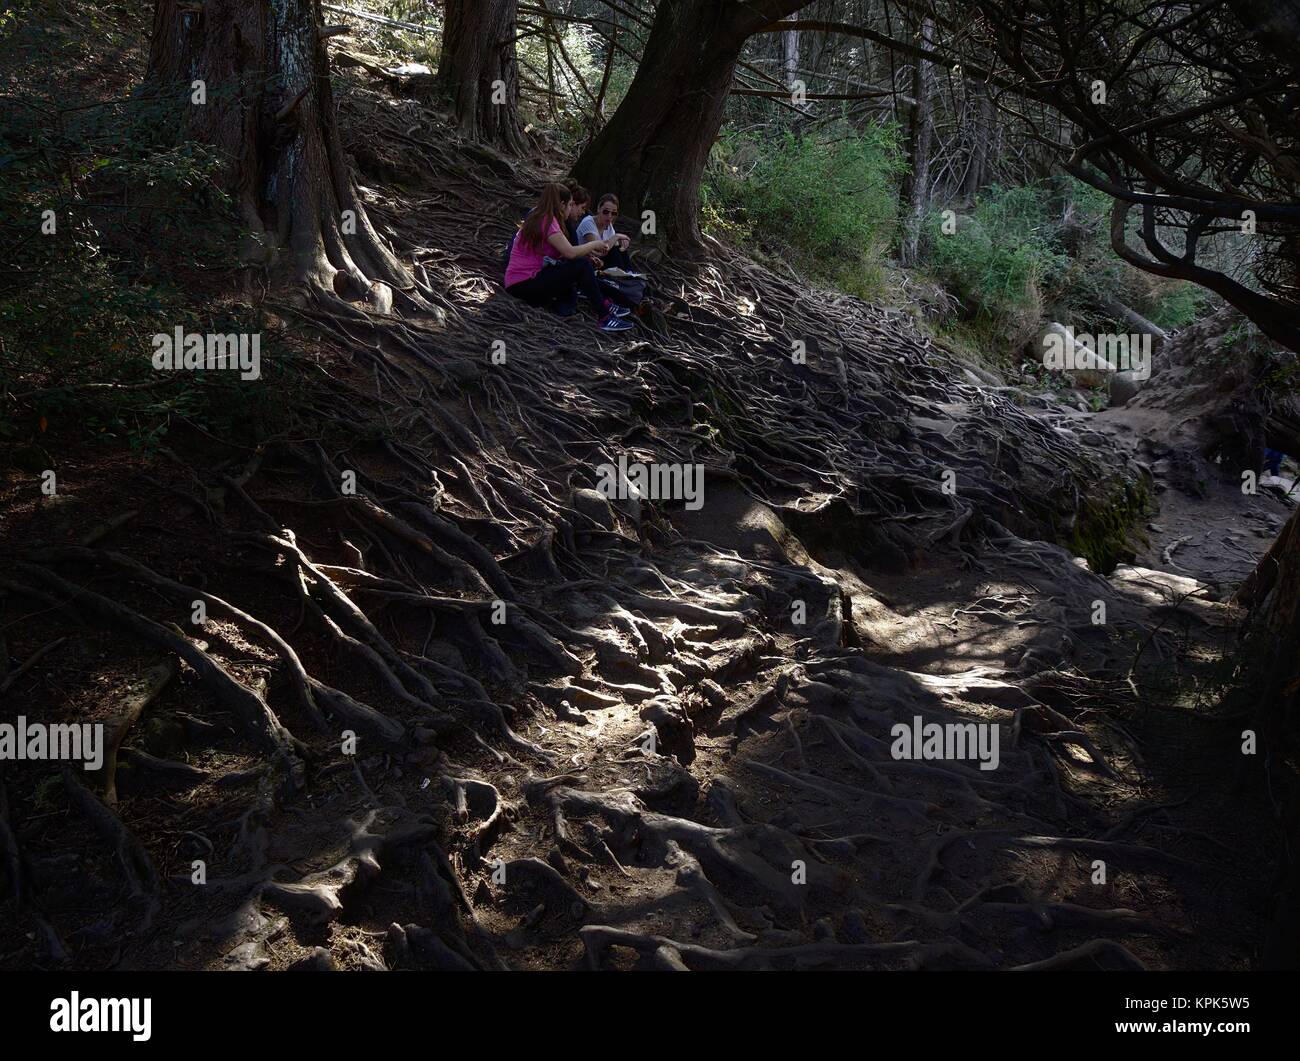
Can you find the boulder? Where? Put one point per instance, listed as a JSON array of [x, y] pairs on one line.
[[1123, 386], [1057, 350]]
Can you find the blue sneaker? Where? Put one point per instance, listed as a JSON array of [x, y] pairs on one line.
[[612, 323]]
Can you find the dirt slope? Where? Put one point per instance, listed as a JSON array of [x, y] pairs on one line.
[[651, 761]]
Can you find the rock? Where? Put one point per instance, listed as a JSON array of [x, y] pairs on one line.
[[594, 506], [247, 957], [319, 960], [673, 726], [977, 373], [1055, 349], [1124, 386]]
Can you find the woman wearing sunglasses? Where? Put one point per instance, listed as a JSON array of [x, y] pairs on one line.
[[600, 229]]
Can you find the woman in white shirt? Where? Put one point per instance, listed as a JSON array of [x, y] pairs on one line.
[[601, 227]]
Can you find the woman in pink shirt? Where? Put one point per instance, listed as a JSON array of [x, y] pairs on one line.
[[545, 267]]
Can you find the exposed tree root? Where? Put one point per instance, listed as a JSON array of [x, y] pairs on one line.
[[481, 599], [229, 692]]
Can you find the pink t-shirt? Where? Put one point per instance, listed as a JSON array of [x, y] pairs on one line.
[[526, 261]]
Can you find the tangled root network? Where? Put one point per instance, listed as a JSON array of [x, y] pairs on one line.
[[453, 704]]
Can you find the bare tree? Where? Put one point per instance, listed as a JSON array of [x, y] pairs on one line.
[[920, 133]]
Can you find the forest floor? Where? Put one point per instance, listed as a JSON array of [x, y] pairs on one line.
[[651, 762]]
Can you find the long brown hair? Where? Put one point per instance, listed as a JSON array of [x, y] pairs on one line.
[[552, 206]]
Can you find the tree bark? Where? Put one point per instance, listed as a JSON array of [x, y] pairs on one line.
[[269, 111], [653, 150], [917, 185], [478, 70], [1272, 592], [980, 112], [790, 52]]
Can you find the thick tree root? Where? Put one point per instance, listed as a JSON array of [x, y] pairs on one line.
[[230, 693]]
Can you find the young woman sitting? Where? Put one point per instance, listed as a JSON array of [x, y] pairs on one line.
[[600, 228], [629, 291], [579, 207], [545, 267]]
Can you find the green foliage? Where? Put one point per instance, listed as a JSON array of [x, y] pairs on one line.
[[77, 350], [1107, 523], [117, 178], [85, 189], [1038, 252], [826, 201], [1090, 272], [1000, 254], [46, 791], [621, 73], [1240, 332], [1177, 306], [567, 112]]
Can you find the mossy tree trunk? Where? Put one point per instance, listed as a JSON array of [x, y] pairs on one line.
[[266, 104]]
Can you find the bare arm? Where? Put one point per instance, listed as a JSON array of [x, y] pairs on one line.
[[560, 242], [619, 240]]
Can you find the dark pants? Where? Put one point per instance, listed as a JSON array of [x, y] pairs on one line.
[[1273, 461], [618, 258], [556, 283], [614, 289]]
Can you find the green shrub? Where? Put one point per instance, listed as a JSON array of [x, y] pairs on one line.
[[567, 112], [107, 211], [77, 357], [825, 201], [1177, 305], [1001, 254]]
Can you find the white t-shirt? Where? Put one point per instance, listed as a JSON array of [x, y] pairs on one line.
[[587, 227]]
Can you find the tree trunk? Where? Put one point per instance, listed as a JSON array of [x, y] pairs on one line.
[[653, 150], [920, 134], [269, 111], [790, 52], [980, 111], [1272, 592], [478, 70]]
